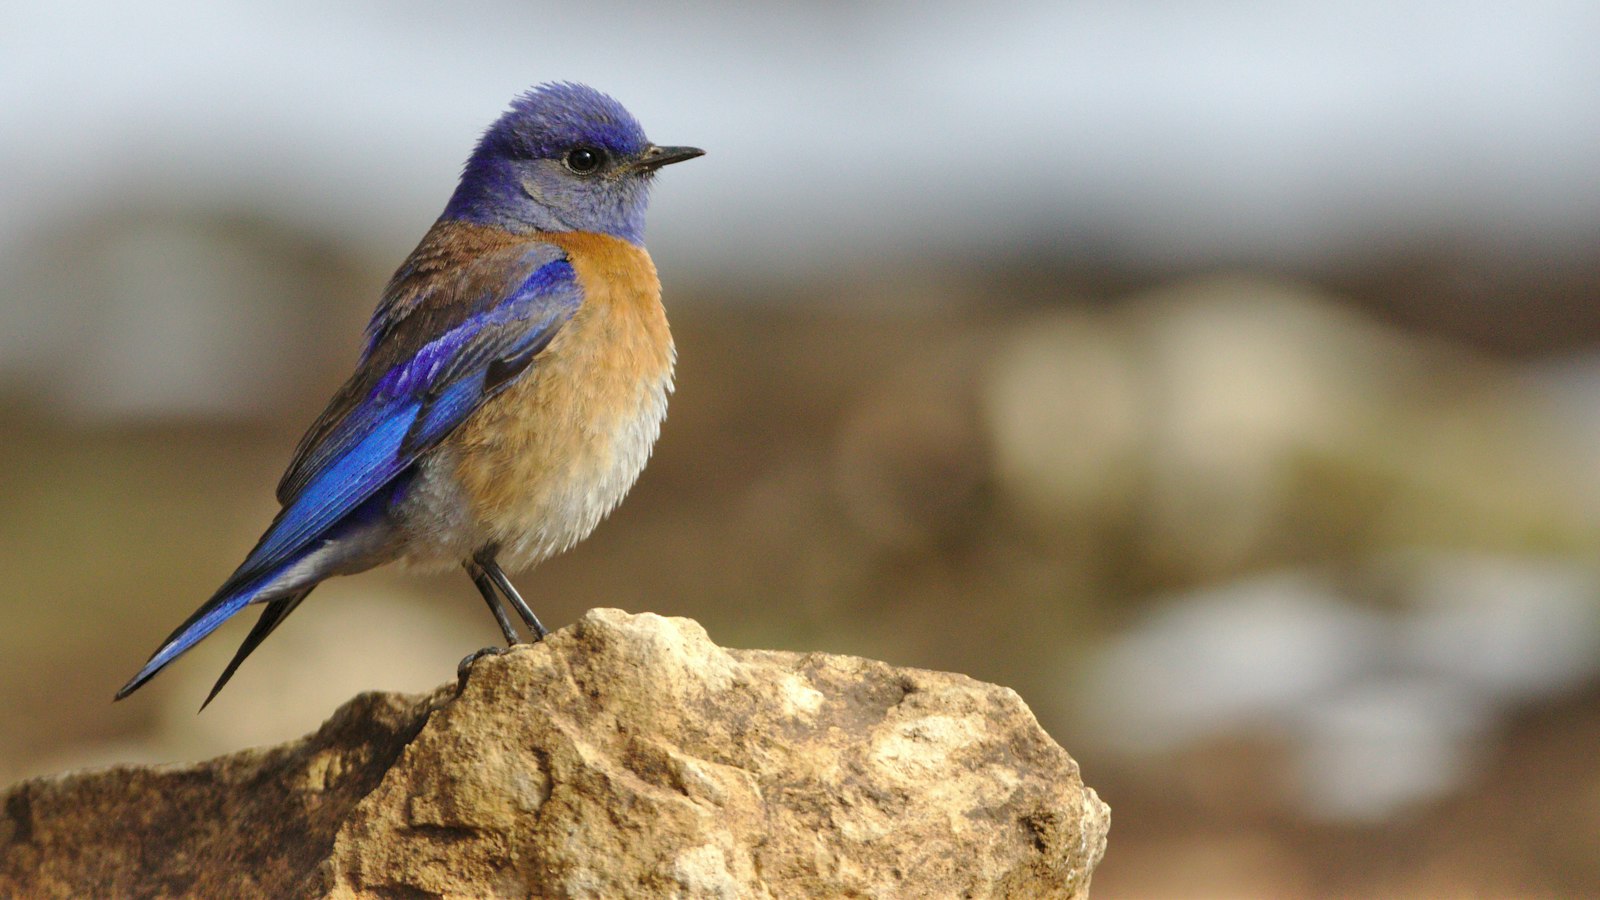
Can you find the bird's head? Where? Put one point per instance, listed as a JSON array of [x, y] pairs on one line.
[[564, 157]]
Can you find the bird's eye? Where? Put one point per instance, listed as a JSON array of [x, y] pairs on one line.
[[584, 160]]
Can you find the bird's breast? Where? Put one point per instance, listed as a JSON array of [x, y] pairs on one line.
[[542, 463]]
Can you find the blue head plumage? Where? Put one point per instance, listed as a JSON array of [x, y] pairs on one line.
[[564, 157]]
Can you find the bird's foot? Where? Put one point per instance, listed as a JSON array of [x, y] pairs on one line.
[[464, 668]]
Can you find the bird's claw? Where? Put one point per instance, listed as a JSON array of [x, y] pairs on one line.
[[464, 668]]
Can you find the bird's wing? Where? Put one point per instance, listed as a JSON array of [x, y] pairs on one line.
[[452, 346], [434, 292], [449, 339]]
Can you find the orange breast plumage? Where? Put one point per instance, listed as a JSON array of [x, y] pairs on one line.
[[536, 468]]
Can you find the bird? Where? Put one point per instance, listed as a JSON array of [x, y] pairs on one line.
[[511, 386]]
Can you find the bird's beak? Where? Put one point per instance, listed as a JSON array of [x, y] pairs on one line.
[[656, 157]]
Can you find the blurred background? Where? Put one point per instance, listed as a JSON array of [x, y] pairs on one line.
[[1223, 376]]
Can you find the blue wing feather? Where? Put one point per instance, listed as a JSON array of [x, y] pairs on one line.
[[405, 413], [414, 405], [430, 312]]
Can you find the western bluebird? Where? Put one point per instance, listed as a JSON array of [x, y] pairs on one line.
[[514, 378]]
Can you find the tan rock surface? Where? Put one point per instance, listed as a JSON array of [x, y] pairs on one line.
[[627, 756]]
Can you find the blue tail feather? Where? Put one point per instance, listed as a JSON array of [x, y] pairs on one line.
[[350, 538], [221, 607], [271, 617]]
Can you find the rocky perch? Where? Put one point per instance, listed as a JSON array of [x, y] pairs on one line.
[[626, 756]]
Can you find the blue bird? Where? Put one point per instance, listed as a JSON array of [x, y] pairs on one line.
[[514, 379]]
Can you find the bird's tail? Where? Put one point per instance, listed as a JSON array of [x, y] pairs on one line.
[[280, 572], [271, 618], [282, 582]]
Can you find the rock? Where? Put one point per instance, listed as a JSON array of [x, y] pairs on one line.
[[625, 756], [1236, 423]]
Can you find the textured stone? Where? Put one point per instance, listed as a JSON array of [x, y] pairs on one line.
[[625, 756]]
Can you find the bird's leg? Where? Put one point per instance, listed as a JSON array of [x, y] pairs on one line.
[[497, 575], [486, 588]]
